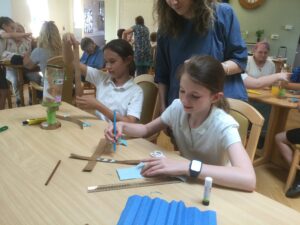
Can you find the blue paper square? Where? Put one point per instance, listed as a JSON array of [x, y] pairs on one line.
[[130, 173]]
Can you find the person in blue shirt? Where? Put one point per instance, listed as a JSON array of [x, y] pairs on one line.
[[203, 27], [92, 54]]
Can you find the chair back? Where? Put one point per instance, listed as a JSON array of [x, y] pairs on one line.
[[150, 109], [250, 121]]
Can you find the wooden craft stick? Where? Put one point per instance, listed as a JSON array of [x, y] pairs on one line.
[[102, 147], [51, 175], [105, 160]]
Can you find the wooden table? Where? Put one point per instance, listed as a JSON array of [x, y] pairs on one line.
[[20, 76], [29, 154], [277, 121]]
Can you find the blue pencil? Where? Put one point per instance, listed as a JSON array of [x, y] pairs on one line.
[[115, 131]]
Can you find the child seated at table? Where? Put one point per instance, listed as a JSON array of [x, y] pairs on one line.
[[7, 30], [16, 47], [206, 136], [116, 89]]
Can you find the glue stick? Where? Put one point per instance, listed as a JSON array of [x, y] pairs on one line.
[[207, 190]]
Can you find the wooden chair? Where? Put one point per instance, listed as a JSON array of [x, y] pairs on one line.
[[67, 93], [250, 121], [150, 108], [294, 167]]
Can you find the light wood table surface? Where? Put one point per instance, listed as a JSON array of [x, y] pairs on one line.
[[28, 155], [277, 121]]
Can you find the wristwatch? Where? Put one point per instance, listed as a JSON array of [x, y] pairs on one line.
[[195, 168]]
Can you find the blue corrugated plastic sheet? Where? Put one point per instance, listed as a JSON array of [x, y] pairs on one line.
[[142, 210]]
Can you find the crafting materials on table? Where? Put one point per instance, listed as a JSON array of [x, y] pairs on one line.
[[34, 121], [105, 160], [101, 148], [119, 186], [51, 175], [3, 128], [251, 91], [74, 120], [157, 211]]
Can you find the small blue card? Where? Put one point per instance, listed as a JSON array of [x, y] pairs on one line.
[[131, 173]]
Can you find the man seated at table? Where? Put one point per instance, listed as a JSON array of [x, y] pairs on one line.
[[92, 54]]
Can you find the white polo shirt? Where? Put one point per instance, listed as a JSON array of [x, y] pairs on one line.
[[126, 100], [208, 142], [253, 70], [2, 43]]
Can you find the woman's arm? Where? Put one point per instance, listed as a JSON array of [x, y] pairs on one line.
[[292, 86], [230, 67], [252, 82], [126, 33], [162, 91], [6, 35]]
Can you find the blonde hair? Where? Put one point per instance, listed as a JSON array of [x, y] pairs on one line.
[[50, 39]]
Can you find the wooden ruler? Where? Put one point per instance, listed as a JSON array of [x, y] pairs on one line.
[[119, 186]]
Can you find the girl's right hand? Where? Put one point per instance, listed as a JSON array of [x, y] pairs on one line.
[[109, 132]]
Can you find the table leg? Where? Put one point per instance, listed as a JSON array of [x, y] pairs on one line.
[[20, 84], [276, 124]]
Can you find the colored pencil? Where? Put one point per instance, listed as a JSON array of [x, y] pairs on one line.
[[115, 130]]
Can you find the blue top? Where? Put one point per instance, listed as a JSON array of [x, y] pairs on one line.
[[223, 42], [95, 60]]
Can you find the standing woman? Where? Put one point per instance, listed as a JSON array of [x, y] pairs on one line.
[[202, 27], [142, 48]]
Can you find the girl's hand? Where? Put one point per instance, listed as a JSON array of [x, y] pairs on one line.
[[109, 132], [165, 166], [87, 102]]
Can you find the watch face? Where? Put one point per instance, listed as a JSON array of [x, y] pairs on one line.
[[196, 165]]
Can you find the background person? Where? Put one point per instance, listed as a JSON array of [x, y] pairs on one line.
[[116, 89], [203, 27], [142, 49]]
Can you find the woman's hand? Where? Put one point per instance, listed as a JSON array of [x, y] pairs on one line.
[[87, 102], [109, 132], [284, 76], [165, 166]]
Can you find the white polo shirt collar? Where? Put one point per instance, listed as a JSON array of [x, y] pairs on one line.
[[125, 86]]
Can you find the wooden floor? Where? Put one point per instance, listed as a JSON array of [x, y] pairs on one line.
[[270, 179]]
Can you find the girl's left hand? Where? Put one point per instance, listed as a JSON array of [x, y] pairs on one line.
[[165, 166], [87, 102]]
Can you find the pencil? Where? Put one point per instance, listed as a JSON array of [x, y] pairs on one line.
[[51, 175], [115, 130]]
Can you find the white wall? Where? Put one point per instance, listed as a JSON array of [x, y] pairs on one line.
[[59, 11], [5, 8], [122, 13]]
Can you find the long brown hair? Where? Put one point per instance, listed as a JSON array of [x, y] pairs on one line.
[[208, 72], [170, 23], [50, 39]]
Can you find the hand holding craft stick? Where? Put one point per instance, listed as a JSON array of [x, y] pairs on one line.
[[51, 175]]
